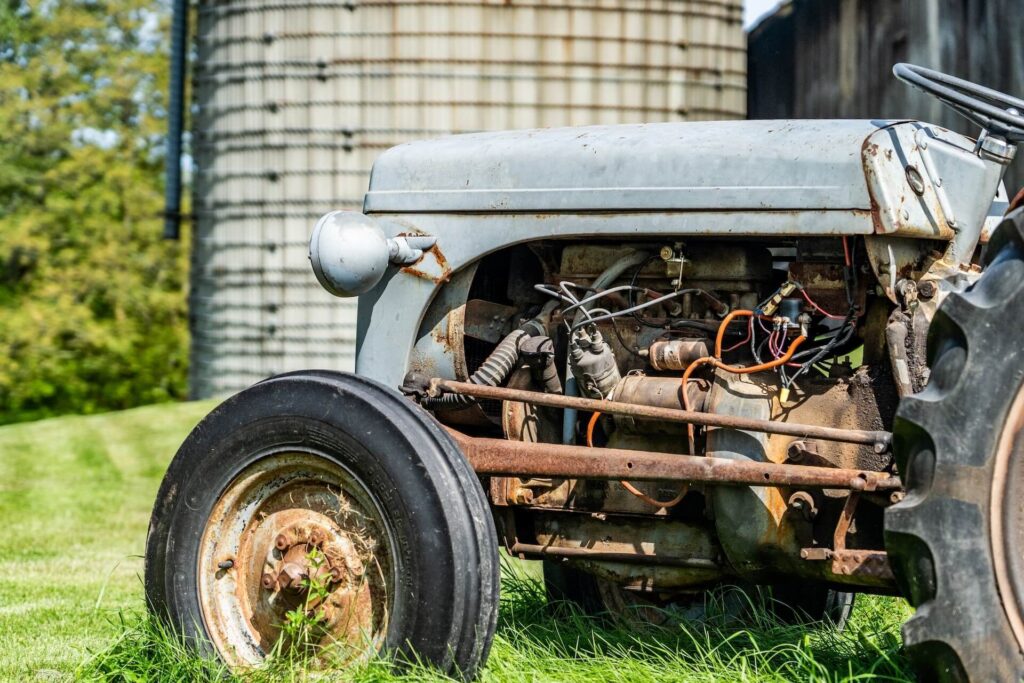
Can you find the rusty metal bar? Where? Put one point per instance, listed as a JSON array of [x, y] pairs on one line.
[[601, 556], [879, 439], [871, 566], [525, 459]]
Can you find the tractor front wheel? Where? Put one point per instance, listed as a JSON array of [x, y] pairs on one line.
[[324, 514]]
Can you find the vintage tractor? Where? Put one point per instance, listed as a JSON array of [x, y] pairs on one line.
[[781, 356]]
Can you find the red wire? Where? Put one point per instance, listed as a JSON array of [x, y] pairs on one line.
[[818, 308], [750, 331], [773, 344], [846, 252]]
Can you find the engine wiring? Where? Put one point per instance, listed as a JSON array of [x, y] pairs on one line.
[[716, 361], [675, 500], [775, 342]]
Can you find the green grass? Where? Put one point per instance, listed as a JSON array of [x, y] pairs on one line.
[[75, 497]]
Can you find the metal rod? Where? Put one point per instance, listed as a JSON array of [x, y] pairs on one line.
[[602, 556], [526, 459], [175, 122], [880, 439]]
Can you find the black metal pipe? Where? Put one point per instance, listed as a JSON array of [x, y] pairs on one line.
[[175, 119]]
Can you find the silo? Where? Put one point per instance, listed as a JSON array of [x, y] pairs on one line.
[[293, 100]]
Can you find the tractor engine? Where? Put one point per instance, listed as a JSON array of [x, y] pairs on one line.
[[790, 331]]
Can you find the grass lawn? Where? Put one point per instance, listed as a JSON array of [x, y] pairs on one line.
[[75, 498]]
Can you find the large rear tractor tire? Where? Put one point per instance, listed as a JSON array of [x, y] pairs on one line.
[[324, 510], [957, 539]]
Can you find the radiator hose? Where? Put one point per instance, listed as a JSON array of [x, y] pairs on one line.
[[492, 372]]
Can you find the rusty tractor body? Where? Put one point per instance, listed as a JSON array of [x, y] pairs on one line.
[[675, 356]]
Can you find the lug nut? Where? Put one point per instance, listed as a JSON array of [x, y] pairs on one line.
[[281, 542], [267, 581], [226, 564]]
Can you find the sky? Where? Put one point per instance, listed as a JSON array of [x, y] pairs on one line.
[[754, 9]]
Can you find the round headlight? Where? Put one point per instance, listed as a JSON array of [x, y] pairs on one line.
[[348, 252]]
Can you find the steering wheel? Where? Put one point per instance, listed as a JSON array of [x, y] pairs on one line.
[[997, 113]]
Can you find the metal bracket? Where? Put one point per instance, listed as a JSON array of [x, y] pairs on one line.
[[406, 250]]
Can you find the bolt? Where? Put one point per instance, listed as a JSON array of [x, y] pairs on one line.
[[881, 447], [267, 581], [926, 289], [281, 542], [896, 496], [316, 537], [226, 564]]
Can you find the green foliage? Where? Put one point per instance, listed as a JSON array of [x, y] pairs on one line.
[[75, 498], [92, 300], [533, 645], [303, 627]]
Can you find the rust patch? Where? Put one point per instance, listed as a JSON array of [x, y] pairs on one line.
[[444, 273], [876, 219], [524, 459], [870, 438], [825, 283], [863, 567]]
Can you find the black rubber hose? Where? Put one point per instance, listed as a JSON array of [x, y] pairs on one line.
[[492, 372]]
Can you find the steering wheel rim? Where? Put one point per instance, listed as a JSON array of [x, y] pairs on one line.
[[996, 112]]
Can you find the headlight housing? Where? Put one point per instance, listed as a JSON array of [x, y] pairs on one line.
[[349, 253]]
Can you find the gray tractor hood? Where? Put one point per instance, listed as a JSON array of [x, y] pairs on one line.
[[750, 165]]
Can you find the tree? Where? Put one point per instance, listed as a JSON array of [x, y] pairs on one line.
[[92, 301]]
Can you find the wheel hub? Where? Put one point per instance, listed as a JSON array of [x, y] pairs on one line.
[[295, 535], [309, 549]]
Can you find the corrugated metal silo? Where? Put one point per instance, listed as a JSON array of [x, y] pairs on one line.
[[293, 100]]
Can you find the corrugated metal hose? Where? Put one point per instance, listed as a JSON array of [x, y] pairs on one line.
[[492, 372]]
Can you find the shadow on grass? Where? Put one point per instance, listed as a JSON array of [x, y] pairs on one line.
[[533, 644], [573, 646]]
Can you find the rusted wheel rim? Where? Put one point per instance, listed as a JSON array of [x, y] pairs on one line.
[[286, 522], [1007, 515]]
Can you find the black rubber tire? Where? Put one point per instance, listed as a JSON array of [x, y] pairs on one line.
[[566, 586], [945, 441], [804, 604], [445, 606]]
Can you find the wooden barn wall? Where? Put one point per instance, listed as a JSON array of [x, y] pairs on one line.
[[833, 58]]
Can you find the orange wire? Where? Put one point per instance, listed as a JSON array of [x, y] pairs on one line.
[[628, 486], [716, 362]]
